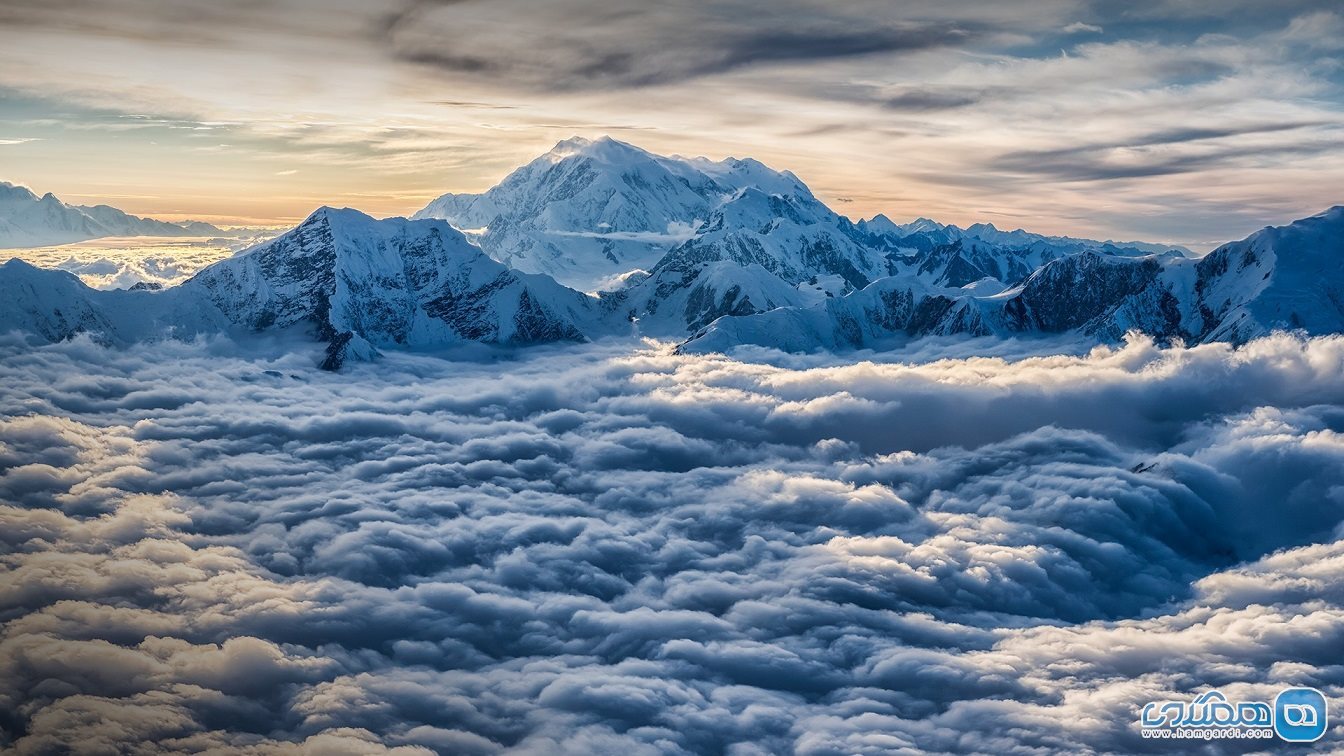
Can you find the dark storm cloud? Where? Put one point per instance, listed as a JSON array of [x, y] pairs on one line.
[[917, 99], [570, 44], [606, 549], [579, 44], [1202, 133], [1160, 153]]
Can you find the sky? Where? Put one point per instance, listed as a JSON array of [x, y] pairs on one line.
[[1186, 121]]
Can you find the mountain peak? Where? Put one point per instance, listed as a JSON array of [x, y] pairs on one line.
[[881, 224], [1329, 222], [603, 148], [17, 263], [16, 191], [345, 222], [337, 214]]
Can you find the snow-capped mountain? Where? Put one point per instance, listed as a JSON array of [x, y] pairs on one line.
[[1288, 277], [590, 211], [756, 252], [365, 282], [946, 255], [678, 242], [355, 283], [882, 226], [1281, 277], [27, 220], [713, 253]]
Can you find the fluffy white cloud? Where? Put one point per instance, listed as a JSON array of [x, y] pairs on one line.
[[122, 263], [604, 548]]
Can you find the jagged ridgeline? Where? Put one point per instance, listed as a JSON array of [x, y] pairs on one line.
[[27, 220], [600, 239]]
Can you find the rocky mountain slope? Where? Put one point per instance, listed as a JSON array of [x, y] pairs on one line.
[[754, 253], [354, 283], [1286, 277]]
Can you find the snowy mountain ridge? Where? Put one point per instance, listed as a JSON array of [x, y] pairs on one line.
[[764, 263], [27, 220], [675, 242], [1279, 278], [353, 283]]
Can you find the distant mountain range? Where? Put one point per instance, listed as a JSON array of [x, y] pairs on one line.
[[27, 220], [1288, 277], [709, 254]]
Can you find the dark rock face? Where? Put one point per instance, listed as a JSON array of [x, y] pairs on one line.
[[467, 311], [296, 272], [390, 283], [535, 324], [743, 250], [336, 354], [822, 255], [1078, 290], [705, 305]]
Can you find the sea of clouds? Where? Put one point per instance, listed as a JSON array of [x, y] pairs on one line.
[[613, 548], [122, 262]]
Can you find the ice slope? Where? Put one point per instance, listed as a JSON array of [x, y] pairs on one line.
[[888, 309], [55, 305], [1279, 277], [681, 299]]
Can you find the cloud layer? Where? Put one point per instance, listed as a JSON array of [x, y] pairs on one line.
[[118, 263], [620, 549]]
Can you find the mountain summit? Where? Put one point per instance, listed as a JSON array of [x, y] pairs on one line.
[[589, 211]]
